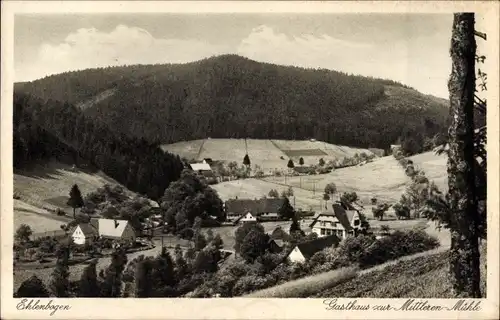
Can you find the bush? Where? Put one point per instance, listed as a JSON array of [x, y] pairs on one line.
[[398, 244], [60, 212], [402, 211], [323, 170]]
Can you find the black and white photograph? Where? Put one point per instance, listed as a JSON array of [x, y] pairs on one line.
[[320, 155]]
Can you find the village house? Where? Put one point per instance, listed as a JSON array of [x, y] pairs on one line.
[[343, 221], [265, 209], [86, 233], [201, 167], [247, 217], [305, 250]]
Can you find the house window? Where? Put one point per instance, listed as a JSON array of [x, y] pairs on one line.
[[323, 231], [323, 223], [339, 233], [356, 222]]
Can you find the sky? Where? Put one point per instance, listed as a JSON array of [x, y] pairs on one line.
[[409, 48]]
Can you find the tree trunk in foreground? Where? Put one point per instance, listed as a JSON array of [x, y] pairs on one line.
[[464, 258]]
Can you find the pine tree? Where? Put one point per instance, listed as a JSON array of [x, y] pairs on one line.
[[290, 164], [143, 280], [295, 227], [301, 161], [286, 210], [75, 199], [112, 285], [246, 160], [181, 266], [464, 257], [163, 272], [89, 286], [59, 283]]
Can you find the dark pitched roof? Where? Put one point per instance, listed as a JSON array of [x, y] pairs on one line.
[[255, 207], [95, 223], [309, 248], [88, 229], [343, 211], [344, 216]]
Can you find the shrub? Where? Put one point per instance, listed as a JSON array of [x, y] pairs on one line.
[[60, 212], [398, 244], [32, 288], [402, 211], [380, 210], [349, 197], [324, 170]]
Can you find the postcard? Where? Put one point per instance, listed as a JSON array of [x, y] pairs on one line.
[[250, 160]]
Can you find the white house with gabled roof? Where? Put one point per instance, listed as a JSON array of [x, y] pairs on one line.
[[343, 221]]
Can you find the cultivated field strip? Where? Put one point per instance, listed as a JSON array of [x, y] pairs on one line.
[[270, 155]]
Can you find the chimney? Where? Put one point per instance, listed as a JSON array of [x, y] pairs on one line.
[[116, 223]]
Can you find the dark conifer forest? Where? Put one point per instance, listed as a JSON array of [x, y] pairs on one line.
[[49, 129], [234, 97]]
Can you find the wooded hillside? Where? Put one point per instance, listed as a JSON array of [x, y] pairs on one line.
[[51, 129], [234, 97]]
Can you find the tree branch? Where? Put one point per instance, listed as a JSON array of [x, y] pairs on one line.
[[480, 34]]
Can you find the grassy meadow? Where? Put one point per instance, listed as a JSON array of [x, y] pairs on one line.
[[46, 187], [270, 155]]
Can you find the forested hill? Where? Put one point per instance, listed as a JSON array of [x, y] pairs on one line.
[[234, 97], [44, 130]]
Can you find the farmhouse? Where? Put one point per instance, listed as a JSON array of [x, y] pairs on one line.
[[342, 222], [114, 229], [201, 167], [247, 217], [305, 250], [84, 233], [262, 209]]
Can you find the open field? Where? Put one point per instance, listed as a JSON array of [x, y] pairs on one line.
[[45, 184], [255, 188], [262, 152], [38, 219], [47, 187], [434, 167], [383, 178]]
